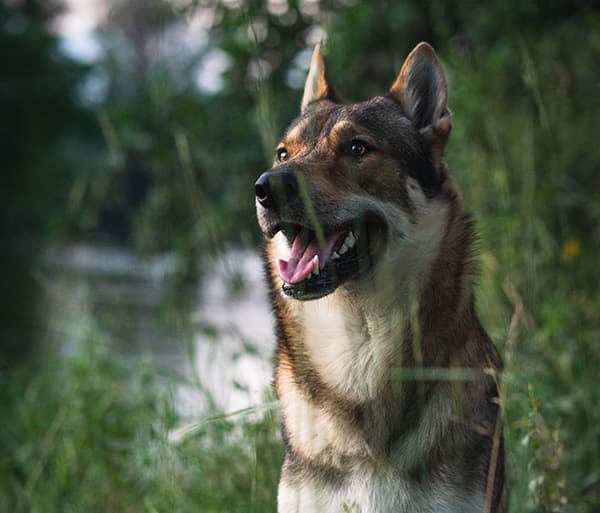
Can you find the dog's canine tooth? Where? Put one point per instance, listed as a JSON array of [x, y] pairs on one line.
[[335, 255], [350, 240], [315, 270], [343, 249]]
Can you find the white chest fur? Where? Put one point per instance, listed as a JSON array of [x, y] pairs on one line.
[[352, 352], [370, 491]]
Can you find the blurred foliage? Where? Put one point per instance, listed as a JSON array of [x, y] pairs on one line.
[[179, 160], [91, 434], [47, 139]]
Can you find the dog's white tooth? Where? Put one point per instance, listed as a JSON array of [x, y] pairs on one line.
[[335, 255], [316, 265], [343, 249], [350, 240]]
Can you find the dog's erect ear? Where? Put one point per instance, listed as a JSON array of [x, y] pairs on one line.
[[421, 89], [317, 86]]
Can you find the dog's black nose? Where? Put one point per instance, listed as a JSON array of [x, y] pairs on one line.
[[262, 190], [274, 188]]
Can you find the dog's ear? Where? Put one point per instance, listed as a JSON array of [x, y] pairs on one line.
[[317, 86], [422, 91]]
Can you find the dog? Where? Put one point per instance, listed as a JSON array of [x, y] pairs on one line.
[[387, 381]]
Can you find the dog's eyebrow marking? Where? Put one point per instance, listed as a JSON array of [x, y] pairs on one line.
[[343, 129], [294, 138], [296, 132]]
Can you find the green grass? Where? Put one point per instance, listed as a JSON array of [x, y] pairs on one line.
[[90, 434]]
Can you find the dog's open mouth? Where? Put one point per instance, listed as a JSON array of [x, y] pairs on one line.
[[320, 262]]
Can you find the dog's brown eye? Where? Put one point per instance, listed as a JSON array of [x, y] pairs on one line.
[[358, 148], [282, 155]]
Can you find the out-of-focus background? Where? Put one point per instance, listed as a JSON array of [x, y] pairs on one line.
[[135, 334]]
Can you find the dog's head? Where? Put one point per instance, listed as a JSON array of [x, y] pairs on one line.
[[354, 185]]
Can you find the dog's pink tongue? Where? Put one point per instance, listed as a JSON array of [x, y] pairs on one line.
[[300, 263]]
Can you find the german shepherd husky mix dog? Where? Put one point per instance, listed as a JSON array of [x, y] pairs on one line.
[[386, 378]]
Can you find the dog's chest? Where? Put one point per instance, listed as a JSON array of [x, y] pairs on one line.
[[370, 490], [353, 353]]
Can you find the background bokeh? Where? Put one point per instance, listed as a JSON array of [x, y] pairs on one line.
[[135, 337]]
